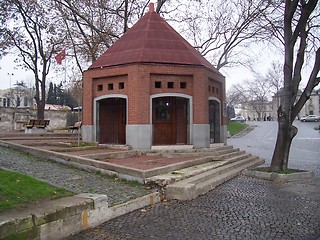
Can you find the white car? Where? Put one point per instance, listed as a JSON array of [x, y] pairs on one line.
[[310, 118], [238, 119]]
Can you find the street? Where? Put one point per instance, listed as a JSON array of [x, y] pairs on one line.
[[243, 208], [305, 149]]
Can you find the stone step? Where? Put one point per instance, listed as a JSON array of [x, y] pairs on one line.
[[174, 153], [199, 179], [190, 171], [230, 154], [205, 186], [192, 187]]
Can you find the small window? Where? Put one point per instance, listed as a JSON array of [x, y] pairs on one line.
[[100, 87], [183, 85], [209, 88], [121, 85], [157, 84], [110, 86], [25, 101], [163, 110], [18, 101], [217, 90], [170, 84], [213, 89]]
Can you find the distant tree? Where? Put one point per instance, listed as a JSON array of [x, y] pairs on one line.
[[51, 95], [252, 93], [58, 95], [233, 97], [31, 31], [230, 112]]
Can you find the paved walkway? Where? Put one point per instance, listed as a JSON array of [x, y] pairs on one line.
[[243, 208], [70, 178]]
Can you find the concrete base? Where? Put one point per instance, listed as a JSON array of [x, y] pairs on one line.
[[35, 130], [139, 136], [224, 134], [277, 177], [201, 135], [87, 133]]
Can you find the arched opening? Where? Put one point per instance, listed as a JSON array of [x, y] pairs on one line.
[[111, 121], [214, 121], [170, 120]]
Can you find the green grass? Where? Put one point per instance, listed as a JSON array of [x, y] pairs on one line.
[[235, 127], [18, 190]]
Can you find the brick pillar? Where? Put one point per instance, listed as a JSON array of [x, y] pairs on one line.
[[201, 128], [138, 127], [87, 108]]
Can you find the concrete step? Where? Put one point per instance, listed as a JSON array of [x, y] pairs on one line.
[[199, 179], [192, 187], [190, 171]]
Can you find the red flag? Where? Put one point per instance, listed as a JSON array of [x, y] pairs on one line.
[[61, 56]]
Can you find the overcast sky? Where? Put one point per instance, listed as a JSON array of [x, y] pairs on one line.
[[233, 75]]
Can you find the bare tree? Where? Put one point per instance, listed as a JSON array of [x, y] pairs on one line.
[[223, 31], [300, 34], [31, 31], [93, 26], [254, 94]]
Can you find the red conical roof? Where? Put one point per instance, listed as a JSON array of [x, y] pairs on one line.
[[151, 40]]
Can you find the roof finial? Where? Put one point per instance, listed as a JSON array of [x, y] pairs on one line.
[[151, 7]]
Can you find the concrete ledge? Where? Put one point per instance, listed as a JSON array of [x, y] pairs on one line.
[[277, 177], [61, 218], [35, 130]]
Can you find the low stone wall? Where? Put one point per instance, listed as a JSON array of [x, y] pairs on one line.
[[14, 119], [60, 218]]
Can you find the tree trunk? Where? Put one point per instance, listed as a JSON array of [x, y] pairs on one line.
[[286, 133], [40, 109], [40, 100]]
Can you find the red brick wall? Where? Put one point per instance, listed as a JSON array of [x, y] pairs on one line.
[[139, 83]]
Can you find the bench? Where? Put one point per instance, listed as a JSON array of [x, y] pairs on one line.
[[76, 126], [37, 123]]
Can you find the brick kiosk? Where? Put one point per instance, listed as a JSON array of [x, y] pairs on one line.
[[153, 88]]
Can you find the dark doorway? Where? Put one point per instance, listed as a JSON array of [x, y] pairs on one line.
[[214, 121], [170, 120], [112, 121]]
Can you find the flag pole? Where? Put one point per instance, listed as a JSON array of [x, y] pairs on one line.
[[65, 69]]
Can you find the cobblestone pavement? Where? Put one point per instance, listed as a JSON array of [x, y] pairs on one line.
[[69, 178], [243, 208]]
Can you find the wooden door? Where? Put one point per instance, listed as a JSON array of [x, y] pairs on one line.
[[112, 121], [214, 121], [169, 120], [182, 108]]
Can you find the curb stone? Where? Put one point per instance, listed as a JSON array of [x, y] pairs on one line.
[[277, 177], [63, 217]]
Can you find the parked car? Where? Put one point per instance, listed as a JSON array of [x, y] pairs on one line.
[[238, 119], [310, 118]]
